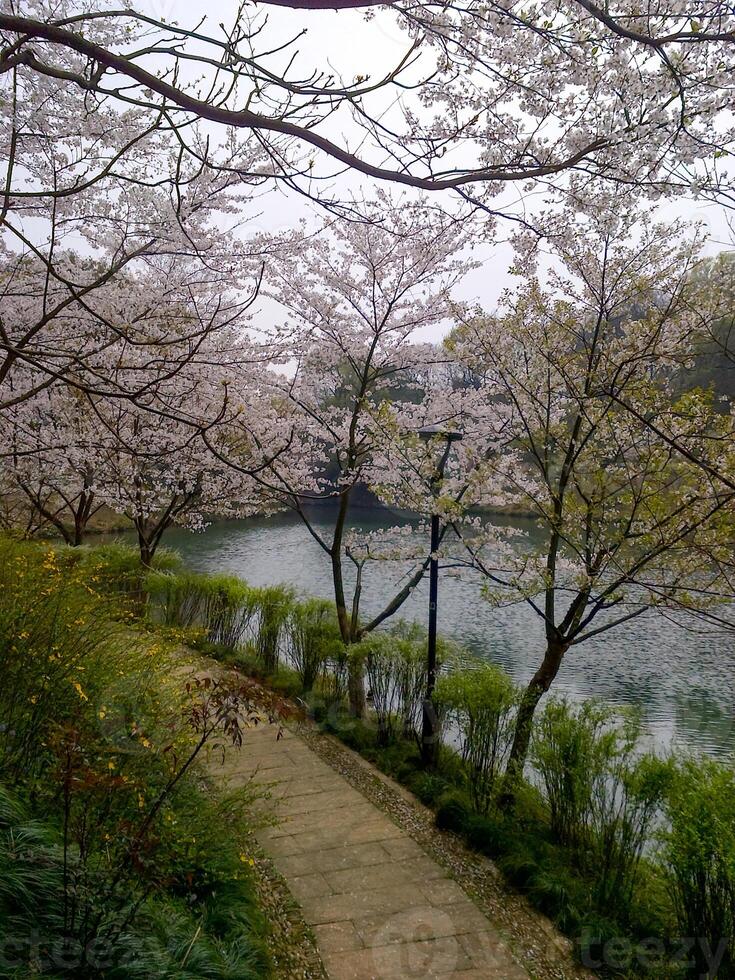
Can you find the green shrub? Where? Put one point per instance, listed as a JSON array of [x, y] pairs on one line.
[[452, 812], [228, 607], [410, 674], [286, 682], [571, 750], [273, 605], [481, 703], [519, 865], [340, 661], [699, 857], [485, 834], [116, 567], [395, 669], [222, 605], [314, 639], [382, 660], [428, 786], [557, 892], [603, 797], [100, 735]]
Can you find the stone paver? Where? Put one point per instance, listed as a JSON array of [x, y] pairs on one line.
[[380, 907]]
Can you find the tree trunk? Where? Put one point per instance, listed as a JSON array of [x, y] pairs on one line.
[[355, 673], [537, 687], [146, 547], [82, 514], [356, 686]]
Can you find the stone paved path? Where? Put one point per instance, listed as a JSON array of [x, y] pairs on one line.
[[380, 907]]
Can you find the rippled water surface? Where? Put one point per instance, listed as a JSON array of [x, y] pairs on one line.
[[683, 682]]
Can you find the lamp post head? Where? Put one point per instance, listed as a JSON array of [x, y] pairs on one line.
[[431, 431]]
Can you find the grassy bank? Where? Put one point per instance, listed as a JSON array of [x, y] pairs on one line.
[[631, 855], [116, 860], [130, 866]]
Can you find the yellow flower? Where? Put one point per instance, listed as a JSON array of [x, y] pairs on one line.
[[102, 712], [145, 742], [111, 765], [247, 860], [80, 691]]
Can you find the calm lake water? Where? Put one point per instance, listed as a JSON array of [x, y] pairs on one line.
[[683, 682]]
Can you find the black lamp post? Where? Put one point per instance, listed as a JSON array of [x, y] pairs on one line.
[[429, 725]]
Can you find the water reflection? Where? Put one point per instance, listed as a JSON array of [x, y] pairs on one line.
[[683, 683]]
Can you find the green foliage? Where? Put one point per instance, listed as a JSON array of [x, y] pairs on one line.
[[99, 735], [452, 812], [571, 750], [216, 926], [116, 567], [428, 786], [603, 796], [58, 650], [31, 875], [222, 605], [699, 855], [181, 946], [314, 639], [274, 606], [480, 702], [395, 668]]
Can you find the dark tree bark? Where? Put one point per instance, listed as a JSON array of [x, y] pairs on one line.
[[537, 687], [80, 509]]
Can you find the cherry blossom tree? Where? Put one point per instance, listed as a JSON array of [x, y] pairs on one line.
[[358, 295], [158, 468], [160, 317], [132, 147], [105, 220], [626, 520], [68, 452], [51, 461], [480, 94]]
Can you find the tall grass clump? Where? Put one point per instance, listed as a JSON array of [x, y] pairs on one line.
[[229, 606], [174, 598], [395, 669], [222, 605], [273, 606], [31, 877], [480, 702], [314, 640], [604, 796], [698, 857]]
